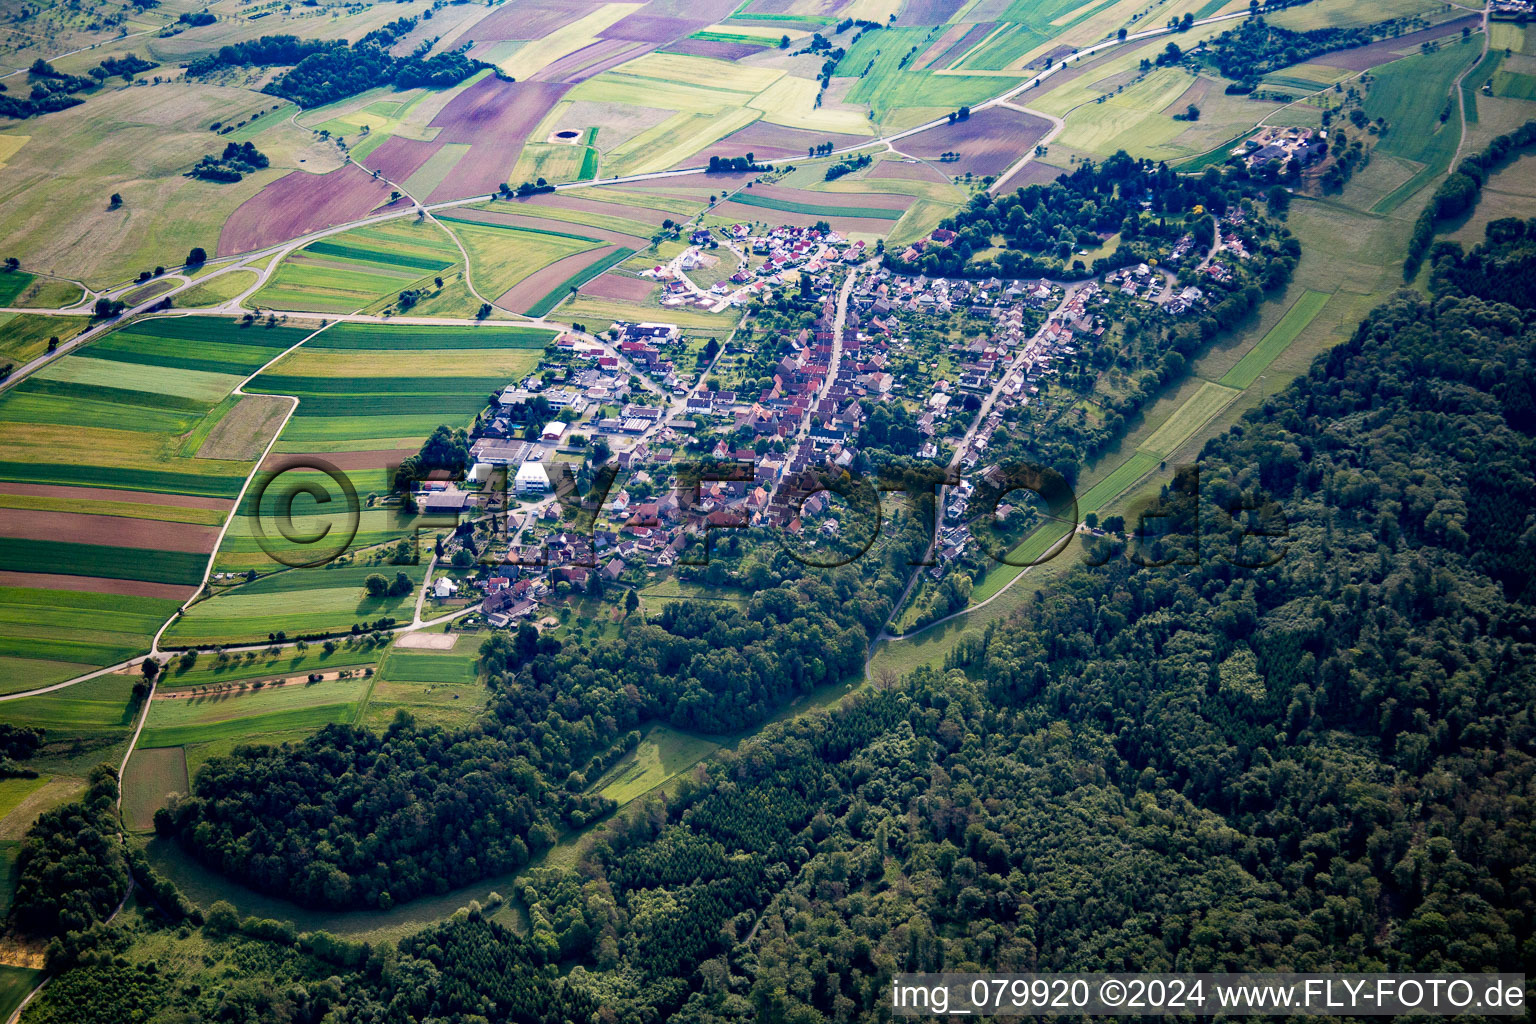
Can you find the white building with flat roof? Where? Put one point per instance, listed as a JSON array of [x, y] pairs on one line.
[[531, 479]]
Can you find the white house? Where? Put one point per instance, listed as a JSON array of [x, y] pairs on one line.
[[531, 479], [444, 587]]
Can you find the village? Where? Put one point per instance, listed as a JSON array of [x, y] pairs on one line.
[[626, 409]]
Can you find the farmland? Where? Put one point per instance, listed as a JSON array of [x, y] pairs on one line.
[[298, 601], [652, 779], [356, 269]]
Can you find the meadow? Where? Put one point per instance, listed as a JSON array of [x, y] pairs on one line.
[[297, 602], [1279, 338], [1190, 417], [24, 337], [1410, 94], [152, 776], [663, 754], [441, 687], [252, 715], [47, 636]]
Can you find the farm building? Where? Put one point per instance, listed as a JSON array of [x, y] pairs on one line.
[[554, 430]]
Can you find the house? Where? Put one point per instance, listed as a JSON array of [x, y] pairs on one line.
[[531, 479], [614, 569], [444, 587]]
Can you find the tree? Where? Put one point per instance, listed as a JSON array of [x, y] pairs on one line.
[[115, 201], [197, 257], [376, 585], [631, 601], [784, 42], [401, 585]]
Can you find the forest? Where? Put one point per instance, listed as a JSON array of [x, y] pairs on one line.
[[1043, 225], [350, 818], [1255, 48]]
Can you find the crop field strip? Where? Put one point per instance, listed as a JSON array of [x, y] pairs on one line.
[[328, 600], [350, 271]]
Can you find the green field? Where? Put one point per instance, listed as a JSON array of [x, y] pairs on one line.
[[502, 255], [353, 270], [1189, 417], [328, 600], [153, 775], [663, 753], [814, 209], [253, 715], [24, 336], [209, 672], [441, 687], [47, 636], [15, 983], [1258, 358], [1411, 94]]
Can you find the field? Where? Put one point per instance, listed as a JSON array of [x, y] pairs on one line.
[[1277, 340], [97, 549], [218, 290], [441, 687], [1190, 417], [353, 270], [298, 601], [253, 715], [24, 337], [501, 255], [382, 388], [136, 142], [152, 776], [1410, 95], [663, 754], [84, 723]]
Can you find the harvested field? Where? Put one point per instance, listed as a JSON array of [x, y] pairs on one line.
[[569, 201], [772, 142], [907, 171], [865, 201], [531, 19], [110, 494], [1387, 50], [399, 158], [299, 203], [589, 60], [719, 49], [95, 585], [528, 293], [243, 432], [651, 28], [499, 218], [977, 33], [116, 531], [618, 286], [929, 12], [1035, 173], [427, 641], [988, 142], [494, 117]]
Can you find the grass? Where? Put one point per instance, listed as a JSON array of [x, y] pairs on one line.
[[24, 336], [1279, 338], [298, 601], [209, 672], [814, 209], [500, 256], [662, 754], [12, 793], [218, 290], [153, 775], [1411, 94], [250, 715], [15, 983], [1190, 417]]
